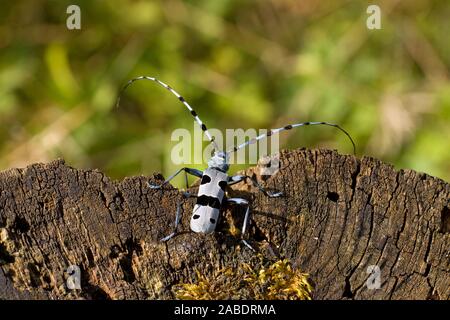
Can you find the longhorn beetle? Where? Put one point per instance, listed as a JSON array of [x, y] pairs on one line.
[[214, 180]]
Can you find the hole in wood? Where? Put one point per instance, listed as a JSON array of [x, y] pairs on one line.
[[21, 225], [333, 196]]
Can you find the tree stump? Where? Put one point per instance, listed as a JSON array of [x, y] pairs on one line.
[[339, 217]]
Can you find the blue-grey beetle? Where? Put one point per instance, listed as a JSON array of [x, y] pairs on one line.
[[214, 180]]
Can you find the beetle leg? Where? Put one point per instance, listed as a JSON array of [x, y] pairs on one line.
[[191, 171], [241, 201], [235, 179], [186, 195], [239, 178]]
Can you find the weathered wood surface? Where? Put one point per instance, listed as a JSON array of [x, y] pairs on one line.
[[339, 215]]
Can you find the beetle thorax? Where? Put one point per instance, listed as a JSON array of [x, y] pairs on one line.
[[219, 161]]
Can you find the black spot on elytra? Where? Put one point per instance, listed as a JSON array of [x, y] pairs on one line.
[[195, 216], [212, 220], [333, 196], [223, 185], [214, 203], [202, 201], [205, 179], [209, 201]]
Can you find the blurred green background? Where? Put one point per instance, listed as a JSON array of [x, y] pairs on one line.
[[241, 64]]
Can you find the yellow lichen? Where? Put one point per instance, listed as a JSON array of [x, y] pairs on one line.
[[276, 280]]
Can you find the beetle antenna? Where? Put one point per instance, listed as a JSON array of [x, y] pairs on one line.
[[288, 127], [191, 110]]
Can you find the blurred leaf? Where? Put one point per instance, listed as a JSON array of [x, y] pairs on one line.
[[62, 76]]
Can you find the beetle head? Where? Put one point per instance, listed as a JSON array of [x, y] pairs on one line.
[[219, 161]]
